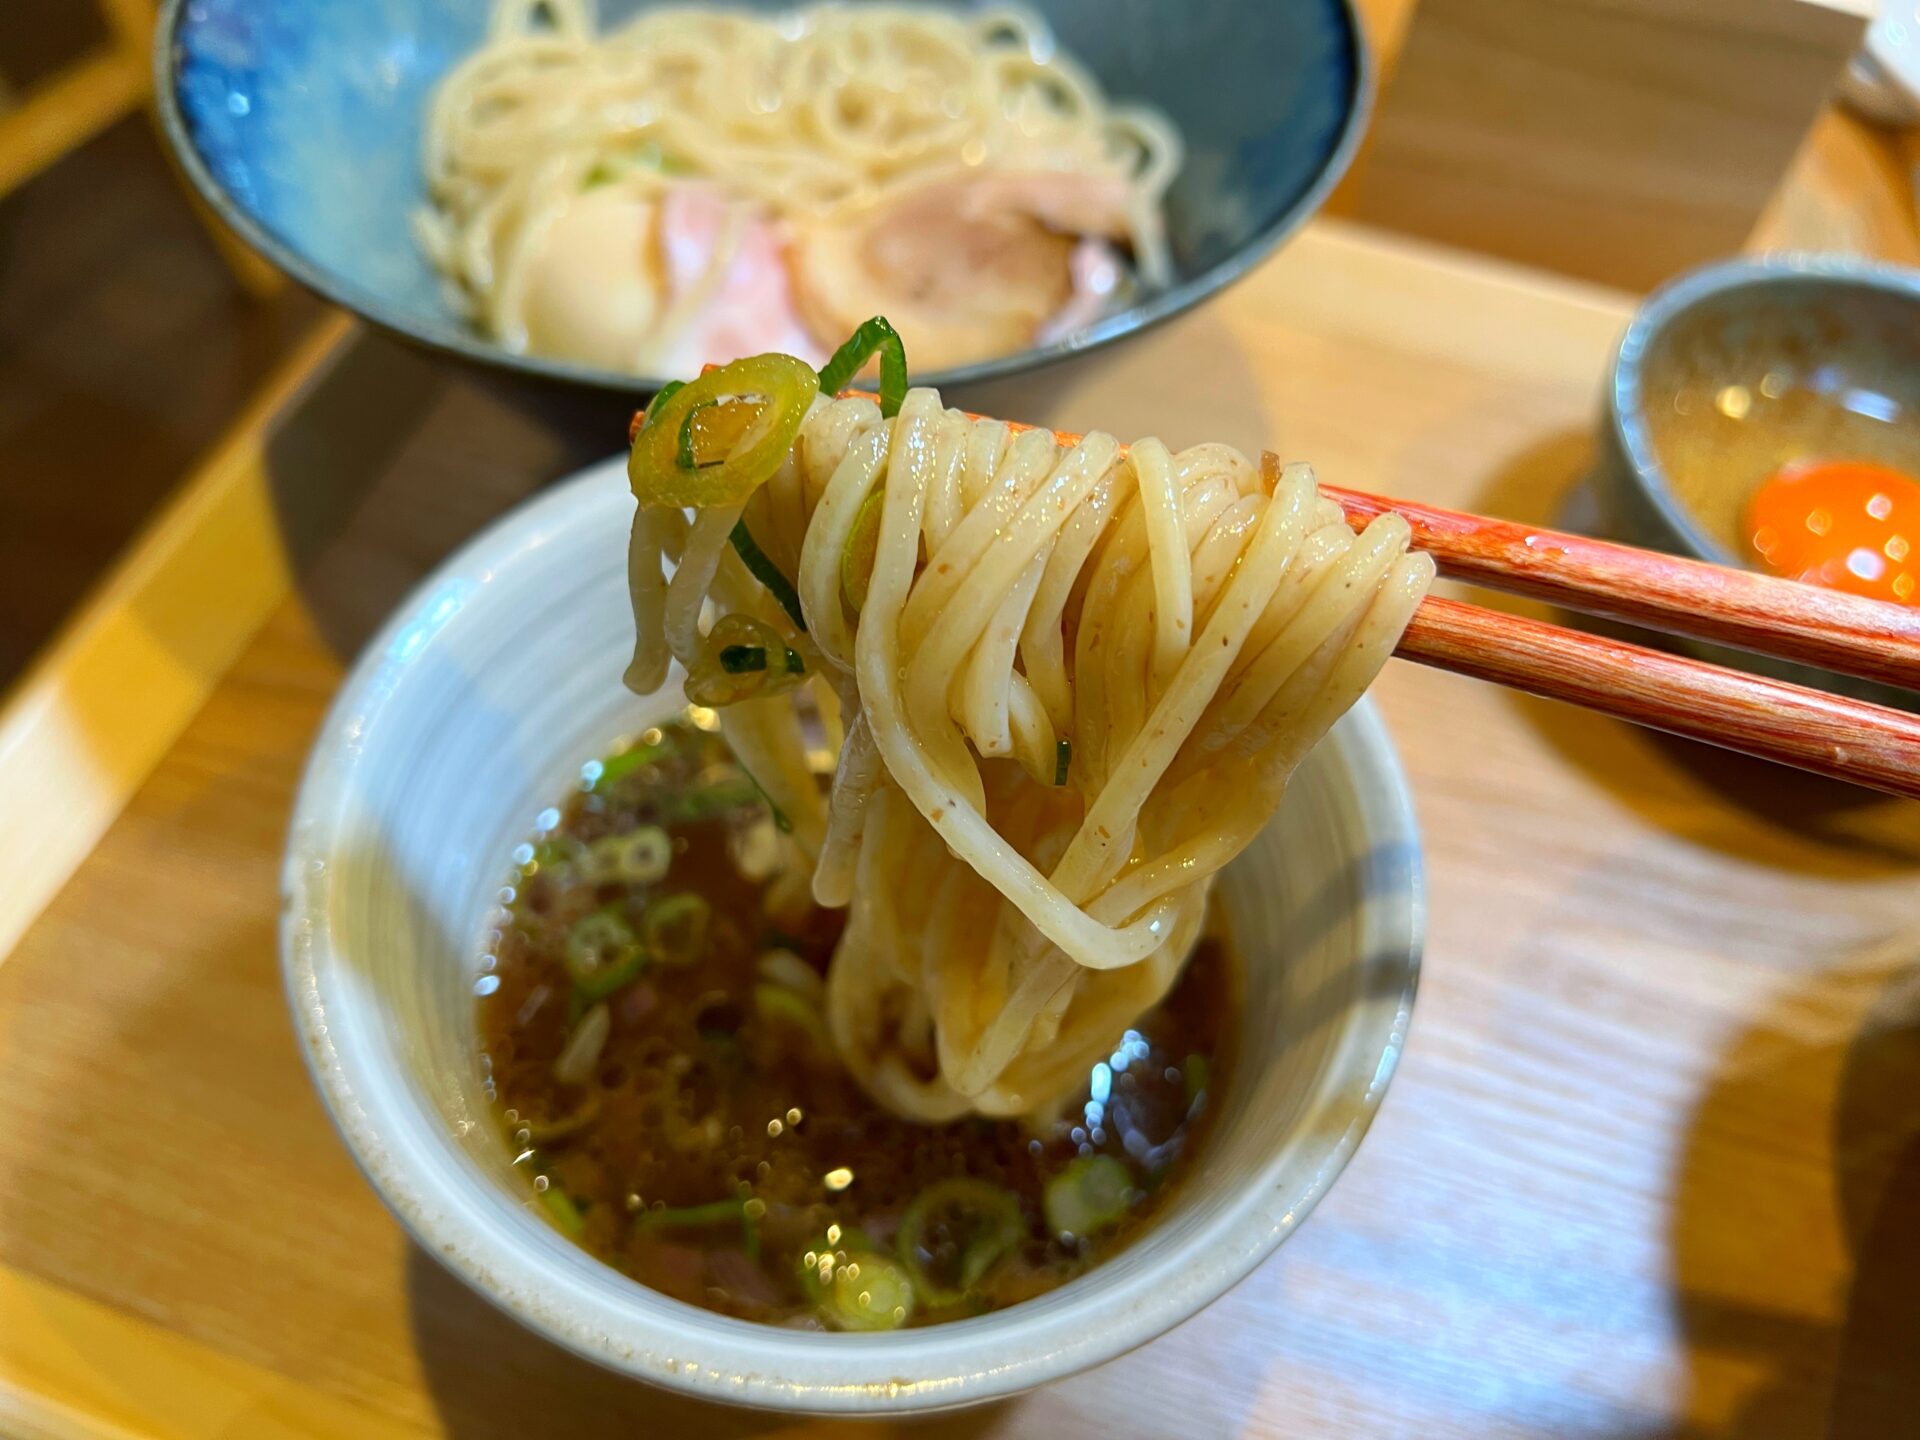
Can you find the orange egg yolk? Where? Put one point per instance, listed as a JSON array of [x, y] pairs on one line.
[[1844, 524]]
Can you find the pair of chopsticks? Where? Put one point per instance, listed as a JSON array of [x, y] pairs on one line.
[[1844, 739], [1830, 735]]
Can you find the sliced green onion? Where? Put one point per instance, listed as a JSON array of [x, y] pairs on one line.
[[863, 545], [638, 857], [1197, 1070], [878, 335], [962, 1226], [749, 414], [768, 574], [742, 658], [560, 1208], [610, 979], [869, 1292], [1062, 760], [675, 928], [1093, 1192], [598, 943]]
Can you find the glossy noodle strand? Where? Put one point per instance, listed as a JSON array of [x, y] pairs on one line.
[[1173, 631]]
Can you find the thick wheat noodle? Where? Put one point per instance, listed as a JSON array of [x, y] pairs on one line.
[[819, 116], [1186, 632]]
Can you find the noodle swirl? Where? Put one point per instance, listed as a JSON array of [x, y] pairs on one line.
[[1179, 628], [821, 119]]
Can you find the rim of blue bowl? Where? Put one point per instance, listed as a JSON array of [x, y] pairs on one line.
[[1149, 312], [1627, 400]]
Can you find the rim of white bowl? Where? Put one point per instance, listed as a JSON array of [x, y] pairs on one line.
[[559, 1292]]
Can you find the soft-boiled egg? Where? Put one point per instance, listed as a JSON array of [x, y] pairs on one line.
[[595, 288]]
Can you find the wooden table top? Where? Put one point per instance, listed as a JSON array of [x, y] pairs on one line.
[[1650, 1165]]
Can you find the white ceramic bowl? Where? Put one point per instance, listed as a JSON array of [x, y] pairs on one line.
[[475, 708]]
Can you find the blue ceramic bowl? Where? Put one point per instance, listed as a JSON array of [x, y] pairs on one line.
[[300, 121]]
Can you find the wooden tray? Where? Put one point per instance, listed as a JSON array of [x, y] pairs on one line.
[[1651, 1164]]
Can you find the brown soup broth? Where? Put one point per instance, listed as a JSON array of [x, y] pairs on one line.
[[714, 1148]]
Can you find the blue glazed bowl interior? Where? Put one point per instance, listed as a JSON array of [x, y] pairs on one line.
[[301, 121]]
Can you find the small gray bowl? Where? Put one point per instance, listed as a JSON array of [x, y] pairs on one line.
[[1733, 370]]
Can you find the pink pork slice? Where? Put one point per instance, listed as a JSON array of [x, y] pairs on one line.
[[751, 312]]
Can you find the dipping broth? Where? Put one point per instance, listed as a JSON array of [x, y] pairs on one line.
[[657, 1049]]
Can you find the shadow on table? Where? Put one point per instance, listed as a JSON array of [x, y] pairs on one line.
[[490, 1377], [1665, 779], [392, 460], [1754, 1214]]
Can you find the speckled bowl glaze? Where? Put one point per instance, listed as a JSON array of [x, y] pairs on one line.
[[475, 708], [300, 123], [1735, 369]]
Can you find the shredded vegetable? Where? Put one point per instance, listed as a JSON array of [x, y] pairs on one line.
[[768, 573], [700, 1217], [550, 1132], [1062, 760], [615, 768], [875, 335], [778, 1005], [781, 822], [718, 798], [560, 1209]]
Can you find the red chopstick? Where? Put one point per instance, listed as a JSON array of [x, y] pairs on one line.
[[1762, 613], [1831, 735], [1812, 730]]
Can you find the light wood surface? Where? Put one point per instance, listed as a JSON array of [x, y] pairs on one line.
[[1620, 140], [165, 627], [1649, 1167]]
